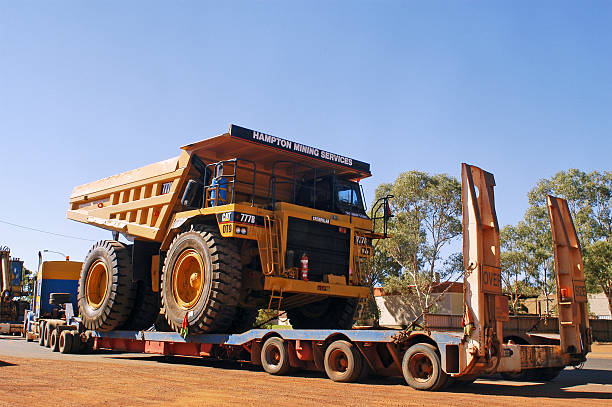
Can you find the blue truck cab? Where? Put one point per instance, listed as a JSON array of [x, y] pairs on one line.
[[52, 277]]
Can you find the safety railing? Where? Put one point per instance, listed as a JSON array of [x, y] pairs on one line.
[[222, 187], [381, 204]]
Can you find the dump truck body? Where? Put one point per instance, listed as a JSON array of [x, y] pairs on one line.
[[291, 216]]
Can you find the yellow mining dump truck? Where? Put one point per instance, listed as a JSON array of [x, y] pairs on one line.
[[237, 222]]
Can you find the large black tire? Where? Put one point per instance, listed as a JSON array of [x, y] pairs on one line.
[[331, 313], [65, 342], [275, 356], [54, 340], [47, 334], [41, 333], [145, 309], [343, 362], [113, 306], [422, 368], [210, 304]]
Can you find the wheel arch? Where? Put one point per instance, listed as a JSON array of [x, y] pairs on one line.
[[419, 338], [180, 225], [336, 336]]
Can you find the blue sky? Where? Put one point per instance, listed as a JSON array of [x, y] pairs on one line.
[[89, 89]]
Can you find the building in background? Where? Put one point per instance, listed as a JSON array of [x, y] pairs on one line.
[[397, 310]]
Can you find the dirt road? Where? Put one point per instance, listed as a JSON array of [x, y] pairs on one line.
[[34, 376]]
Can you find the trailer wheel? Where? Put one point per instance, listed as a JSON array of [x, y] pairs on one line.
[[201, 280], [54, 340], [275, 356], [421, 367], [47, 334], [331, 313], [65, 342], [343, 362], [41, 333], [106, 292], [89, 343]]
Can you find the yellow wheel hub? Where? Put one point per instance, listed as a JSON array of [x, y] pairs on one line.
[[96, 284], [188, 279]]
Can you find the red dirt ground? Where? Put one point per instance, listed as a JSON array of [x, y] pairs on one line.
[[33, 376]]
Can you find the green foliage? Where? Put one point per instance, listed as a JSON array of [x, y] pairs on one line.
[[427, 217], [528, 245], [377, 269], [516, 263], [265, 318], [598, 267]]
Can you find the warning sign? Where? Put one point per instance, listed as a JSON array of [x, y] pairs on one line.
[[490, 279]]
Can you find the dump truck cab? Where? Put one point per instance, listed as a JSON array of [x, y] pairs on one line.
[[283, 225]]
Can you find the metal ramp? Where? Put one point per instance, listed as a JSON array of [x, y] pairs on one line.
[[569, 270]]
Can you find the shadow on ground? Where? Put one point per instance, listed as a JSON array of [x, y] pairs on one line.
[[560, 387]]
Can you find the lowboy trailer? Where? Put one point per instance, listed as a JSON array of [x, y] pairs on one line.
[[427, 358]]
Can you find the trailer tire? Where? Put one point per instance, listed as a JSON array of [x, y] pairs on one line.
[[41, 333], [65, 342], [421, 367], [331, 313], [47, 334], [343, 362], [201, 281], [275, 356], [54, 340], [106, 292]]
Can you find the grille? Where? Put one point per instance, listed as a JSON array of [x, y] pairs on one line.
[[327, 248]]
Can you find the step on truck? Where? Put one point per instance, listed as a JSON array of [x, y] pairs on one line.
[[235, 223], [431, 357]]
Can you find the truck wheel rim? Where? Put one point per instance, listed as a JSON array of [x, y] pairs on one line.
[[273, 356], [420, 367], [97, 280], [338, 361], [188, 279]]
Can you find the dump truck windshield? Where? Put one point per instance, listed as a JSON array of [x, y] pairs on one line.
[[345, 199], [349, 199]]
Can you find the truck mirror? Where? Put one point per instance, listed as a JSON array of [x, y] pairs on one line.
[[190, 193]]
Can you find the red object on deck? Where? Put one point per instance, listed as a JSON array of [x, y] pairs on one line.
[[304, 267]]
